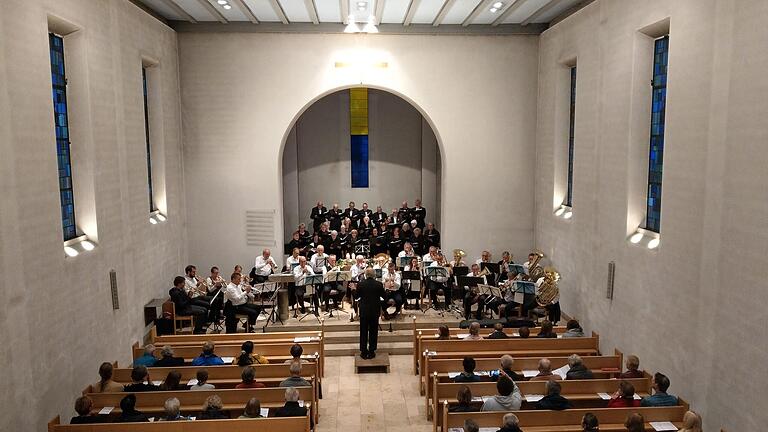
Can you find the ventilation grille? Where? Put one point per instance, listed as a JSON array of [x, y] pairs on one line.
[[260, 227], [113, 288], [611, 277]]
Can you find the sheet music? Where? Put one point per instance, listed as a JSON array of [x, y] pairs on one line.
[[533, 397], [562, 371], [192, 382], [663, 426], [106, 410], [264, 412], [227, 360], [462, 335], [453, 375], [530, 373], [604, 396], [302, 339]]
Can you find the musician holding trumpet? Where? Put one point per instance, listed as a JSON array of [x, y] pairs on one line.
[[264, 266], [197, 290]]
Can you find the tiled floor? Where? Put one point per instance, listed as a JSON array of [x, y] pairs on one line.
[[371, 402]]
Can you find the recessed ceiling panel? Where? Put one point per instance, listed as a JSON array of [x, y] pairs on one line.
[[427, 11], [263, 10], [524, 11], [556, 11], [295, 10], [162, 9], [488, 17], [194, 8], [328, 11], [460, 11], [362, 9], [395, 10]]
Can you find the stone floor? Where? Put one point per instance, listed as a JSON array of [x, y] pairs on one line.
[[371, 402]]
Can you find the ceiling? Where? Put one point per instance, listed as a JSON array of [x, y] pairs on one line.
[[392, 15]]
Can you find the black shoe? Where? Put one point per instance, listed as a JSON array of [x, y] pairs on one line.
[[371, 355], [364, 355]]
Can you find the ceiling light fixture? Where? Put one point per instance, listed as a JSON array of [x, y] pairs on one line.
[[227, 7], [222, 2], [494, 10], [498, 5], [362, 4]]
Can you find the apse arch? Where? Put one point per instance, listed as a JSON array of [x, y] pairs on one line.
[[329, 91]]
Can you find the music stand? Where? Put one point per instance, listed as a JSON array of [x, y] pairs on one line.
[[379, 274], [335, 277], [415, 283], [515, 268], [269, 288], [404, 261], [363, 249], [430, 272], [309, 282]]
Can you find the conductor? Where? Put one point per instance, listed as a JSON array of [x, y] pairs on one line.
[[371, 293]]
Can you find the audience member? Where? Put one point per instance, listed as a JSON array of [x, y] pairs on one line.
[[296, 352], [507, 362], [553, 400], [635, 423], [202, 381], [167, 359], [545, 371], [691, 422], [140, 381], [173, 410], [207, 357], [248, 357], [633, 365], [508, 399], [443, 333], [148, 358], [252, 409], [249, 379], [464, 396], [173, 382], [524, 332], [471, 426], [469, 372], [546, 330], [212, 409], [83, 406], [128, 411], [498, 332], [106, 384], [474, 332], [624, 397], [589, 423], [577, 370], [660, 396], [291, 407], [295, 380], [573, 329], [510, 423]]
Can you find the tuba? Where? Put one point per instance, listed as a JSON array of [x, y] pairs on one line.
[[548, 291], [458, 254], [535, 271]]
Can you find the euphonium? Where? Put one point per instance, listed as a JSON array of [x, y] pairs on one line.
[[548, 291], [535, 271]]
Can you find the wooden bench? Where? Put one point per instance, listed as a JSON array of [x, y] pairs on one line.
[[611, 419], [232, 338], [437, 349], [581, 393], [270, 424]]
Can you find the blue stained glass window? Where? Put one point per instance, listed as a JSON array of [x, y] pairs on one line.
[[359, 158], [152, 206], [572, 127], [59, 87], [656, 150]]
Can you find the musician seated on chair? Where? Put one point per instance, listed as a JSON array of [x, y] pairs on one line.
[[264, 266], [506, 260], [407, 251], [412, 266], [331, 290], [237, 296], [394, 296], [196, 289], [506, 304], [318, 259], [214, 284], [473, 295], [546, 283], [299, 272], [188, 306], [437, 285]]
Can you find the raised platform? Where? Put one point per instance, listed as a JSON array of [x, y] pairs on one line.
[[378, 364]]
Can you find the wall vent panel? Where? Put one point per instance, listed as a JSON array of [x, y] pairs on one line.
[[260, 227]]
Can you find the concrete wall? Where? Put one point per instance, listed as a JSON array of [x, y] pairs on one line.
[[403, 158], [693, 307], [56, 319], [241, 94]]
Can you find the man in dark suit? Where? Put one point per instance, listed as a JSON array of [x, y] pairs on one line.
[[291, 407], [371, 293], [318, 215]]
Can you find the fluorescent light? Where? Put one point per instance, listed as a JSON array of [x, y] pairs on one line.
[[498, 5], [362, 4], [370, 26], [568, 214], [654, 243], [227, 7], [222, 2], [560, 211], [636, 237], [152, 220], [70, 251], [87, 245], [160, 217], [494, 10]]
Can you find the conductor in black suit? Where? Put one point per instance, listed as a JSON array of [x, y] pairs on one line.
[[371, 292]]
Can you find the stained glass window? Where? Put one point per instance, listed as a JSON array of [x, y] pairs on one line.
[[569, 195], [59, 82], [152, 206], [358, 129], [656, 151]]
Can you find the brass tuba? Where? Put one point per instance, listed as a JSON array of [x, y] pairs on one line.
[[548, 291], [535, 271]]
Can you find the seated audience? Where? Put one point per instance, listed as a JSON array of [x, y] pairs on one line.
[[172, 410], [507, 362], [202, 381], [474, 332], [173, 382], [296, 352], [106, 384], [464, 396], [469, 372], [443, 333], [577, 370], [545, 371], [295, 380], [207, 357], [212, 409], [635, 423], [624, 397], [252, 409], [140, 381], [498, 332], [508, 399], [249, 379], [660, 396], [510, 423], [128, 411], [546, 330], [471, 426], [291, 407], [524, 332], [167, 359], [553, 400], [691, 422], [83, 406], [248, 357], [589, 423], [148, 358], [573, 329], [633, 365]]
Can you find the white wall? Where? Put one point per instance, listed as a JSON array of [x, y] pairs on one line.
[[400, 166], [693, 308], [56, 319], [241, 94]]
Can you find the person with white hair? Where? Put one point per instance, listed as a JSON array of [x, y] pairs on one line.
[[291, 407], [172, 410], [295, 380], [299, 272], [545, 371], [263, 266], [507, 362], [168, 359], [510, 423], [577, 369], [147, 358]]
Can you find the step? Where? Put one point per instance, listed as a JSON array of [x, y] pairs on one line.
[[354, 335], [350, 349], [342, 324]]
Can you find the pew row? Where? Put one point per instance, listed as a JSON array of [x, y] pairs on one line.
[[270, 424], [292, 337]]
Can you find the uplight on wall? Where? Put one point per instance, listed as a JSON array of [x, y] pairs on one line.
[[76, 246], [644, 238], [368, 27], [564, 212], [156, 217]]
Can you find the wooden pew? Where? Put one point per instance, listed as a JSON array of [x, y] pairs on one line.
[[282, 424], [611, 419], [234, 338], [601, 366], [437, 349], [581, 393]]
